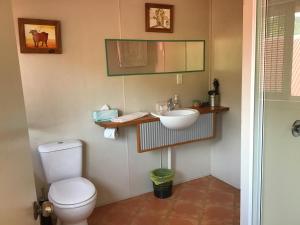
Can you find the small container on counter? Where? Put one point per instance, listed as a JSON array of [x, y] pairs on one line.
[[214, 100], [196, 103], [214, 95]]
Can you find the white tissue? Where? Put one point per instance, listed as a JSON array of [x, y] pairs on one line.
[[129, 117], [110, 133], [104, 107]]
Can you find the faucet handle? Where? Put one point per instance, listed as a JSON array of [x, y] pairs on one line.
[[170, 104]]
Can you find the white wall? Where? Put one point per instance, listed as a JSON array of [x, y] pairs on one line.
[[61, 91], [17, 191], [226, 65]]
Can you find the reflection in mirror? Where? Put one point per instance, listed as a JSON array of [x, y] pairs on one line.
[[174, 56], [134, 57], [137, 57], [194, 60]]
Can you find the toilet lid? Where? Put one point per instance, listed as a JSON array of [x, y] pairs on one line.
[[71, 191]]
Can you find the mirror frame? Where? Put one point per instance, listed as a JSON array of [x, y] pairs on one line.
[[154, 40]]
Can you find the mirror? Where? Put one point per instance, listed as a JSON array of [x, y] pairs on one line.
[[138, 57]]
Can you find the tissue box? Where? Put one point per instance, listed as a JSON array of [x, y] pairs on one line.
[[105, 115]]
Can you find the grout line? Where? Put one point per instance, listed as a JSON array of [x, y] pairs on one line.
[[124, 108], [174, 201], [210, 69], [210, 43], [205, 201]]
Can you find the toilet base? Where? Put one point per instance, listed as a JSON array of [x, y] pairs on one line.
[[83, 222]]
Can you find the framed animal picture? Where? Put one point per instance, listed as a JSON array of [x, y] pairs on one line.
[[159, 17], [39, 36]]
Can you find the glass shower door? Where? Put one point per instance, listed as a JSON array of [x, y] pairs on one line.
[[278, 89]]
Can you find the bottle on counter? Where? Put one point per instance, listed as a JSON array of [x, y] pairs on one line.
[[214, 95], [176, 102], [196, 103]]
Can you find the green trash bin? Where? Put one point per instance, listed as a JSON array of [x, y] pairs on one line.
[[162, 180]]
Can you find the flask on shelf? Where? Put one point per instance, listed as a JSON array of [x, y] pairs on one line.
[[214, 95], [176, 102]]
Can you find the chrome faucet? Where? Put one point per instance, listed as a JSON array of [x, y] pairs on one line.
[[170, 105]]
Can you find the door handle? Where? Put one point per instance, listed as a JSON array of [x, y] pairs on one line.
[[46, 209], [296, 128]]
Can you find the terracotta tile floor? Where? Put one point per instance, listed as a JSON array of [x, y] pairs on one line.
[[204, 201]]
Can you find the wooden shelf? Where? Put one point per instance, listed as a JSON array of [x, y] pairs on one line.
[[208, 109], [145, 119], [150, 118]]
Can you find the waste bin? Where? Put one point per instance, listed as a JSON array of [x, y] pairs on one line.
[[162, 182]]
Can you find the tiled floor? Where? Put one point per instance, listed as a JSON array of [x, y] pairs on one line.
[[205, 201]]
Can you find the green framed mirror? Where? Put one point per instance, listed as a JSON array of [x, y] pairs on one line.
[[139, 57]]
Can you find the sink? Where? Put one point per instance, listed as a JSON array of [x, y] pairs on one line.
[[178, 119]]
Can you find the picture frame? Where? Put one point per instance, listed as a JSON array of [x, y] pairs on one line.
[[159, 17], [39, 36]]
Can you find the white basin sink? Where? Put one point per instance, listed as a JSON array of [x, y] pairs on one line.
[[178, 119]]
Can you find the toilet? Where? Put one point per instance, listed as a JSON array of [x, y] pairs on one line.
[[72, 196]]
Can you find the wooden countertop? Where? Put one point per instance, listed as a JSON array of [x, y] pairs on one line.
[[150, 118]]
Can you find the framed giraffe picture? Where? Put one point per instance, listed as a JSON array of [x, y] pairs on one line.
[[159, 17], [39, 36]]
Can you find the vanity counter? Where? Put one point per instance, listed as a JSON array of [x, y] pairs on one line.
[[150, 118]]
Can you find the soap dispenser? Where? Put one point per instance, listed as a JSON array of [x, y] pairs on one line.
[[215, 94], [176, 102]]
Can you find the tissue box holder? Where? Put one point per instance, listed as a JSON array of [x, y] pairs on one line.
[[105, 115]]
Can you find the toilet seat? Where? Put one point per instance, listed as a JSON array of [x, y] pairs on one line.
[[72, 193]]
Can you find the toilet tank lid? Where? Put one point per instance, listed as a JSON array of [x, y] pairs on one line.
[[59, 145]]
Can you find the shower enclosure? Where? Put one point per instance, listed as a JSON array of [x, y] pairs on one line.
[[276, 199]]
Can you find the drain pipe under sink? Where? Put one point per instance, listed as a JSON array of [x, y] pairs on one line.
[[169, 158]]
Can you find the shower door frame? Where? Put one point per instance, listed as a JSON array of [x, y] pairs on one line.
[[252, 114]]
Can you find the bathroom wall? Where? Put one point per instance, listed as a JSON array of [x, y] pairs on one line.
[[17, 191], [61, 91], [226, 65]]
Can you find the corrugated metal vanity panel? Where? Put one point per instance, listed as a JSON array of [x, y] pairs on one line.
[[154, 135]]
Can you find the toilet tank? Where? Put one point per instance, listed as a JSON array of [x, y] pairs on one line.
[[61, 160]]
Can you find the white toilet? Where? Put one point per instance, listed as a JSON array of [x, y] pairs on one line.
[[73, 196]]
